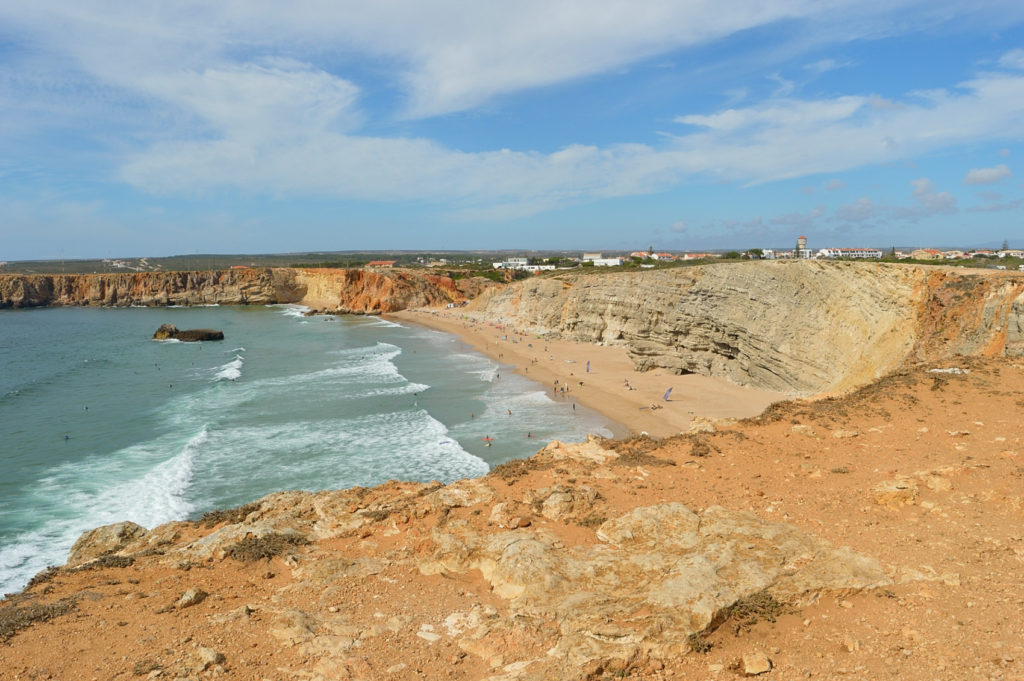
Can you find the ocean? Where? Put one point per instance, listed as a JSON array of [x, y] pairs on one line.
[[100, 424]]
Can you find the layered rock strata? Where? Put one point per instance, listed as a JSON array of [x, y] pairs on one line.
[[336, 290], [795, 327]]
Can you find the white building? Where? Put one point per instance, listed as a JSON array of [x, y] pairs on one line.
[[607, 262], [512, 264], [850, 253], [591, 256]]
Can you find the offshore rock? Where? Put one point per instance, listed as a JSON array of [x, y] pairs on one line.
[[171, 332]]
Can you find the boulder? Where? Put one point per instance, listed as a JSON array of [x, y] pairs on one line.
[[171, 332], [102, 541]]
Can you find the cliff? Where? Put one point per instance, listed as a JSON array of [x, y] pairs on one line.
[[795, 327], [871, 536], [336, 290]]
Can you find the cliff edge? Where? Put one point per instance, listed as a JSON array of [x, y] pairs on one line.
[[800, 328], [356, 291], [876, 535]]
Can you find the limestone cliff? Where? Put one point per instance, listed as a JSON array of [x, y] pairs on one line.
[[354, 290], [795, 327]]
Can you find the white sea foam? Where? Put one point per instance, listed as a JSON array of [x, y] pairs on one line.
[[231, 371], [482, 367], [340, 453], [132, 484], [377, 321], [292, 310]]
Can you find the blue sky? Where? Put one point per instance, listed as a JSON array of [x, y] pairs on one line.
[[149, 128]]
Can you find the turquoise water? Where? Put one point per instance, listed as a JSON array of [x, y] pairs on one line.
[[100, 424]]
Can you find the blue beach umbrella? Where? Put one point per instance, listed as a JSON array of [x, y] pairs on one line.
[[667, 393]]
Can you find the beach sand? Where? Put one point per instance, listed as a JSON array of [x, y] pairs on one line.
[[612, 387]]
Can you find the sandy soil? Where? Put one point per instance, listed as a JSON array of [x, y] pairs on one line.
[[952, 540], [611, 387]]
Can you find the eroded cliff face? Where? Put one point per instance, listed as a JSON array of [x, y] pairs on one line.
[[224, 287], [350, 291], [372, 292], [795, 327]]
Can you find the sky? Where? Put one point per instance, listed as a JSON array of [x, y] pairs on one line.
[[250, 126]]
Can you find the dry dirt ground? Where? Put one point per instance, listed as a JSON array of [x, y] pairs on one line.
[[923, 471]]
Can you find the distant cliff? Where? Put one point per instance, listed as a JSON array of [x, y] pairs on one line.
[[355, 290], [796, 327]]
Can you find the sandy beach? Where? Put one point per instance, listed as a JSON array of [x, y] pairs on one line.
[[632, 400]]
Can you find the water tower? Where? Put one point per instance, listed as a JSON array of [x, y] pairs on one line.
[[801, 247]]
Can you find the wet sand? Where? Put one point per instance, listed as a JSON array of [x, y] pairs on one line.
[[611, 387]]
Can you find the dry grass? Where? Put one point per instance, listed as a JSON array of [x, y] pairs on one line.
[[13, 619], [269, 545], [230, 516]]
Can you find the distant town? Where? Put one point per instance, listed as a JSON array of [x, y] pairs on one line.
[[504, 264]]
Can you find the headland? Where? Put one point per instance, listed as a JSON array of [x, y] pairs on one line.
[[868, 527]]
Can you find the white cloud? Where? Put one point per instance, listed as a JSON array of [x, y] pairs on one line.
[[785, 87], [232, 116], [802, 221], [826, 65], [764, 142], [861, 210], [987, 175], [1014, 59], [1004, 152], [997, 207], [927, 202], [834, 184], [930, 202], [680, 227]]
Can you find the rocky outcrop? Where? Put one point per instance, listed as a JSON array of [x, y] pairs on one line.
[[795, 327], [641, 585], [335, 290], [171, 332], [103, 541], [358, 291]]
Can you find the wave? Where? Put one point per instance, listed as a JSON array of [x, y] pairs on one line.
[[231, 371], [482, 367], [80, 496], [377, 321], [337, 453], [291, 309]]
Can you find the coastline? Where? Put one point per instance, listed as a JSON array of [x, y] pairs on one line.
[[604, 387]]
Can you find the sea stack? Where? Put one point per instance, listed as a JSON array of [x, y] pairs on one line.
[[170, 331]]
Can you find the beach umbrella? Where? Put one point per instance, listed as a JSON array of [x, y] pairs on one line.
[[667, 393], [588, 366]]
